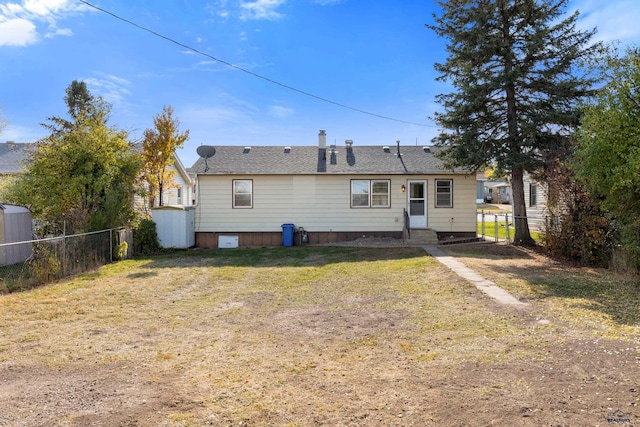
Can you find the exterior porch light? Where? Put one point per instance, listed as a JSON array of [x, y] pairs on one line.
[[403, 188]]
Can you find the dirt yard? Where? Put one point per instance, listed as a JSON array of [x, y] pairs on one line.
[[322, 337]]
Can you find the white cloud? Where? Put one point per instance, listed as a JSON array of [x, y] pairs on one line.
[[54, 32], [19, 133], [17, 32], [260, 9], [20, 21], [327, 2], [218, 8], [280, 112], [615, 20], [112, 89], [213, 116]]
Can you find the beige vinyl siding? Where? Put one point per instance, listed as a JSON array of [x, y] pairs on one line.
[[463, 211], [322, 203]]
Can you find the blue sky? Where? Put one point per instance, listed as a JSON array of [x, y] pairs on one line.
[[375, 56]]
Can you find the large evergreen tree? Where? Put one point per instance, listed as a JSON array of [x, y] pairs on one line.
[[513, 65], [83, 174]]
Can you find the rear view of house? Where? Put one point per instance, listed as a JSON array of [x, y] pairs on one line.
[[335, 193]]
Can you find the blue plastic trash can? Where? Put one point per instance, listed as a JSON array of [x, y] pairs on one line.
[[287, 234]]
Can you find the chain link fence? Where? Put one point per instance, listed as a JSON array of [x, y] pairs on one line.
[[24, 265]]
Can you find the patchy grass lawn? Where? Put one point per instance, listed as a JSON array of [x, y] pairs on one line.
[[320, 336]]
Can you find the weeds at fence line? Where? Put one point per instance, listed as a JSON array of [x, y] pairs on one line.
[[24, 265]]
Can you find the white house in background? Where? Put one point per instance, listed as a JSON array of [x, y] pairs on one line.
[[535, 198], [179, 192], [497, 192], [334, 193]]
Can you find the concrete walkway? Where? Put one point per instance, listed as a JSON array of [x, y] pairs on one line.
[[486, 286]]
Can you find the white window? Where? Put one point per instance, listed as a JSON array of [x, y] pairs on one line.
[[242, 193], [444, 193], [370, 193], [179, 195]]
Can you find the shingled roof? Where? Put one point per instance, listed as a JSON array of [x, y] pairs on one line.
[[312, 160], [13, 155]]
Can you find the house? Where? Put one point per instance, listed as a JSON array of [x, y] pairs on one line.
[[497, 192], [333, 193], [535, 200], [179, 192], [13, 156]]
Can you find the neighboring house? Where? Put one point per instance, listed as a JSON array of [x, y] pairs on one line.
[[481, 197], [497, 192], [179, 192], [13, 156], [335, 193], [535, 199], [504, 193]]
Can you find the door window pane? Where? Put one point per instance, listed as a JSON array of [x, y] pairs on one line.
[[416, 207], [416, 190]]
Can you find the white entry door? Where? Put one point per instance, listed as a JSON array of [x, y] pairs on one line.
[[417, 204]]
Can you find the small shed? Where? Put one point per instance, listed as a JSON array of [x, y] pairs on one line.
[[175, 226], [15, 226]]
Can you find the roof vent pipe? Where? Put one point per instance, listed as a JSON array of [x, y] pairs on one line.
[[322, 139], [398, 144], [348, 143]]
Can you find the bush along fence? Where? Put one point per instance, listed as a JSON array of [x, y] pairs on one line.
[[499, 227], [24, 265]]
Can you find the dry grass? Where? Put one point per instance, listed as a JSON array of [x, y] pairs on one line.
[[280, 336]]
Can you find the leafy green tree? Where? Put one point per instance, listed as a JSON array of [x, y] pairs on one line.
[[159, 146], [82, 176], [577, 228], [607, 158], [512, 64]]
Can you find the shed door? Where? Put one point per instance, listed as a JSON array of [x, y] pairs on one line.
[[417, 204]]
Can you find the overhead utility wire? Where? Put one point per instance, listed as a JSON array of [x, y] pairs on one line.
[[228, 64]]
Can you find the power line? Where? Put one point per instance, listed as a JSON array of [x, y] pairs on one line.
[[228, 64]]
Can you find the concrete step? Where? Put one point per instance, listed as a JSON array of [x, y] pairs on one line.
[[423, 237]]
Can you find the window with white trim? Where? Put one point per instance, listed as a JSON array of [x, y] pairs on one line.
[[370, 193], [242, 193], [444, 193]]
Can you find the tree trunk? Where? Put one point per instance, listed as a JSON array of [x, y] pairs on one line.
[[522, 236]]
